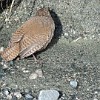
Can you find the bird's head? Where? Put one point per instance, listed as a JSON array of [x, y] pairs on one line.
[[43, 12]]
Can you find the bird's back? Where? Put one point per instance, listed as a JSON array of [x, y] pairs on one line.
[[38, 33]]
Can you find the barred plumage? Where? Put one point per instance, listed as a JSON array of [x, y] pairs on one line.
[[34, 35]]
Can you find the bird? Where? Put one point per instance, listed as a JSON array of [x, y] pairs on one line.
[[33, 36]]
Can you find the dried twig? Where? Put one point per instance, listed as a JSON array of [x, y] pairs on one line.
[[11, 6]]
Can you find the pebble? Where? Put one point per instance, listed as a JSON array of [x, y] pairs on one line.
[[73, 83], [36, 74], [5, 66], [39, 72], [66, 34], [34, 99], [28, 97], [11, 63], [9, 97], [95, 99], [33, 76], [25, 70], [13, 86], [18, 95], [14, 97], [48, 95], [6, 92], [1, 49], [27, 91], [2, 84]]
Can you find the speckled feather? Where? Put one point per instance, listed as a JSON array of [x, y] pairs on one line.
[[34, 35]]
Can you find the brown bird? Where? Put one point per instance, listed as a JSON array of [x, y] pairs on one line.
[[34, 35]]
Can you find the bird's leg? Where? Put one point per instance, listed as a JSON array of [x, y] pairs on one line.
[[18, 58], [34, 58], [37, 60]]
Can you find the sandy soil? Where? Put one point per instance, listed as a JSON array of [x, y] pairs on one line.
[[73, 54]]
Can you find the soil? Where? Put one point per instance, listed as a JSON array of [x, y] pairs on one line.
[[73, 54]]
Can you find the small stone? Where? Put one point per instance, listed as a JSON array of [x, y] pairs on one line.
[[48, 95], [28, 97], [66, 34], [34, 99], [1, 49], [33, 76], [39, 72], [11, 63], [5, 66], [95, 99], [13, 86], [17, 67], [73, 83], [28, 91], [14, 97], [7, 19], [26, 71], [2, 84], [18, 95], [6, 92], [9, 97]]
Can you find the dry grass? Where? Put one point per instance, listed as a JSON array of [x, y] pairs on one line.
[[11, 6]]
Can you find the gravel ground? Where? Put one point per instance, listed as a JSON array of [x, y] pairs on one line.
[[73, 54]]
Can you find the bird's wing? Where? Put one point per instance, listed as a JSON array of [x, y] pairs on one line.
[[40, 37], [16, 37]]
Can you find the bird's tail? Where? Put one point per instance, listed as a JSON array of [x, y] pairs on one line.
[[10, 53]]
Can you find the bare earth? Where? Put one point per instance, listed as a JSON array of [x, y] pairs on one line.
[[73, 54]]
